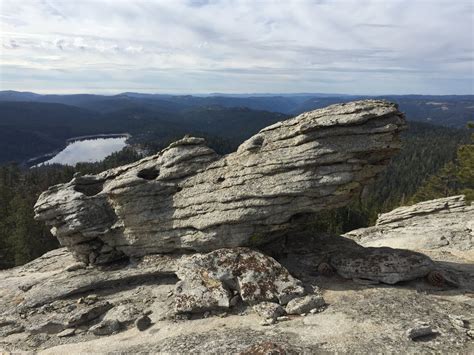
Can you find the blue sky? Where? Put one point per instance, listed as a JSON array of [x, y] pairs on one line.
[[203, 46]]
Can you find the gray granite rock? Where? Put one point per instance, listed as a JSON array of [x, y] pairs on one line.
[[209, 280], [269, 310], [142, 323], [124, 314], [88, 313], [106, 327], [306, 251], [302, 305], [419, 329], [187, 198], [441, 224]]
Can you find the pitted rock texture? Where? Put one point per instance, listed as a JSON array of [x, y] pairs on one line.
[[187, 198], [210, 280], [306, 251], [442, 224]]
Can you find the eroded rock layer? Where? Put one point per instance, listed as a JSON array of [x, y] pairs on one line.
[[445, 224], [187, 198]]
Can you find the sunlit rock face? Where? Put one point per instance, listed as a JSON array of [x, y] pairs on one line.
[[188, 198]]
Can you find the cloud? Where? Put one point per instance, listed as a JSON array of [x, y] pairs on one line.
[[353, 46]]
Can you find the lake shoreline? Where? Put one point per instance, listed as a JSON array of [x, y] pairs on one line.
[[39, 160]]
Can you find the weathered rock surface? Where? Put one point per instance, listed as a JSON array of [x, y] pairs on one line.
[[269, 310], [441, 224], [358, 317], [304, 304], [209, 281], [419, 330], [187, 198], [306, 251]]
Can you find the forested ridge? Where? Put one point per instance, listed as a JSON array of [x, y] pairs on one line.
[[32, 125], [426, 152]]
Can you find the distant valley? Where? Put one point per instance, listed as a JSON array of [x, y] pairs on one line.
[[32, 125]]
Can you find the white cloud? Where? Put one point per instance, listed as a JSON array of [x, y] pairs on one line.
[[358, 46]]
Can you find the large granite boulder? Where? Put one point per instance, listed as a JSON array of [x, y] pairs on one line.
[[211, 280], [187, 198]]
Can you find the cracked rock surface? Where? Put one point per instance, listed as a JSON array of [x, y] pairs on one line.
[[187, 198], [441, 224], [48, 309], [209, 281]]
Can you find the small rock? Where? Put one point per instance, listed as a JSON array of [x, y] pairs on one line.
[[11, 329], [91, 299], [48, 326], [420, 329], [143, 323], [303, 314], [86, 314], [70, 307], [25, 288], [66, 333], [124, 314], [106, 327], [75, 266], [458, 322], [268, 321], [304, 304], [269, 310], [470, 333], [283, 318]]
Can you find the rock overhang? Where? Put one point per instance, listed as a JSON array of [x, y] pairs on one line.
[[188, 198]]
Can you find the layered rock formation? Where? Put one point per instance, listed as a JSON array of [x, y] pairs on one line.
[[442, 224], [187, 198]]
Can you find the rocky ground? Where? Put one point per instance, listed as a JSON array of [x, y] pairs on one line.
[[351, 298]]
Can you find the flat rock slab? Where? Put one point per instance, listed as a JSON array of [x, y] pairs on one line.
[[445, 224], [306, 251]]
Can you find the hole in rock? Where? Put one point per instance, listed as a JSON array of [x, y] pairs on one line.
[[258, 141], [221, 179], [89, 189], [300, 217], [149, 174]]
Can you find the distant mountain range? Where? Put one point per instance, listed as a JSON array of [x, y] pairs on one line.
[[33, 124]]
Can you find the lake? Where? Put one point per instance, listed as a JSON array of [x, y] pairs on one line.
[[88, 150]]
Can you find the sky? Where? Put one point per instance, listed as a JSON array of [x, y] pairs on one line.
[[257, 46]]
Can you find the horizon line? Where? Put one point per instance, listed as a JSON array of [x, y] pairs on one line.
[[118, 93]]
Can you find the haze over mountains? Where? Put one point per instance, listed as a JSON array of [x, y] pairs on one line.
[[33, 124]]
